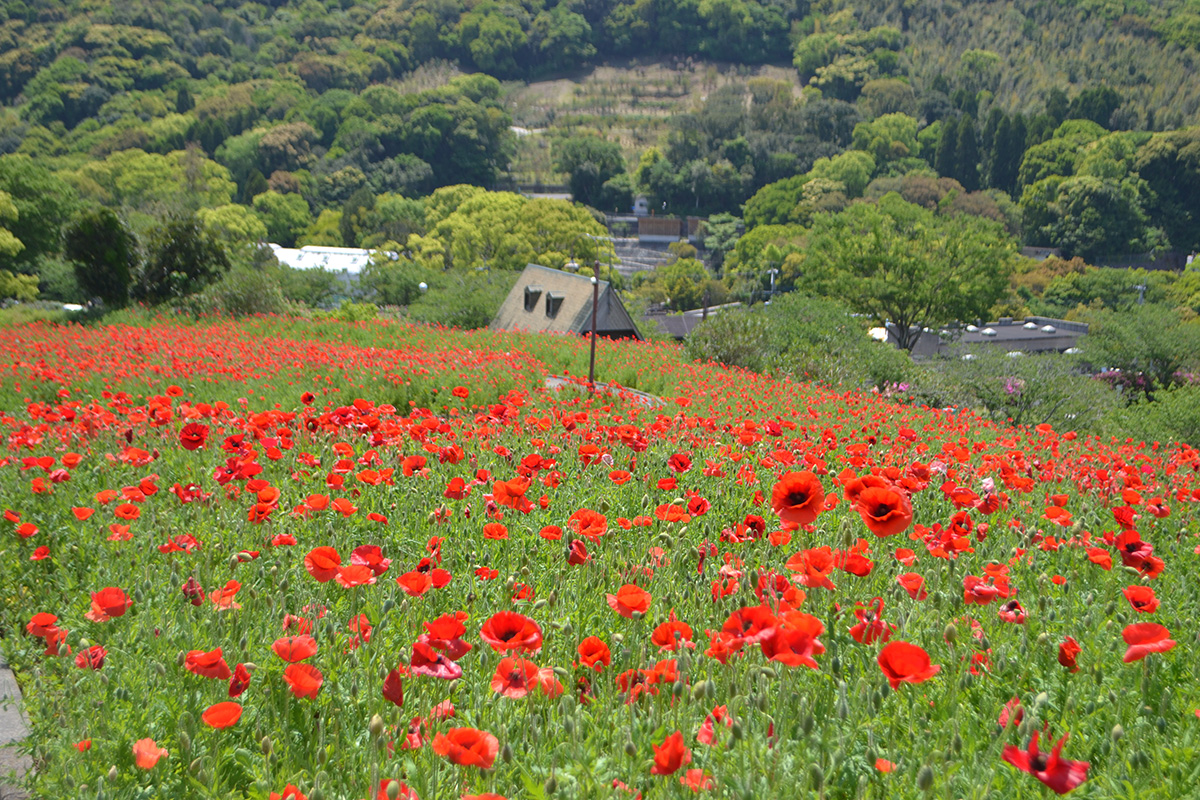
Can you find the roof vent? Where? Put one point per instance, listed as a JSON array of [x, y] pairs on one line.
[[972, 329], [1030, 326], [532, 293], [1049, 329], [988, 331], [553, 303]]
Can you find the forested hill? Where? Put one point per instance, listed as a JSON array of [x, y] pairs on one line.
[[65, 61]]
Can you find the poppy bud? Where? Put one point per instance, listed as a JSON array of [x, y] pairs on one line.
[[956, 744], [506, 753], [1118, 733], [630, 749], [375, 726], [817, 776], [194, 767], [322, 756], [569, 726], [185, 742], [806, 723], [951, 633], [393, 790], [316, 794], [550, 786], [180, 659], [112, 773], [925, 778], [265, 745], [736, 731], [388, 605]]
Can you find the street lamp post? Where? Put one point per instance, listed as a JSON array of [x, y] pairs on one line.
[[595, 307]]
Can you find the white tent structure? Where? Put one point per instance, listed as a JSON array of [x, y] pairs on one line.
[[350, 260]]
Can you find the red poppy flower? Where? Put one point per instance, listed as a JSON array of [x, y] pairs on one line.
[[322, 563], [289, 792], [91, 658], [304, 680], [914, 584], [369, 555], [903, 662], [108, 603], [467, 747], [514, 677], [1145, 638], [222, 715], [697, 780], [588, 523], [594, 653], [1068, 651], [508, 630], [1060, 774], [629, 600], [193, 436], [354, 575], [794, 643], [146, 753], [207, 665], [240, 681], [393, 688], [886, 511], [414, 583], [798, 497], [1013, 612], [672, 634], [671, 755], [429, 662], [1141, 598], [871, 627], [294, 649]]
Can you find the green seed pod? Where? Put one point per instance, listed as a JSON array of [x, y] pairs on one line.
[[736, 732], [950, 633], [817, 776], [925, 778], [265, 745], [393, 790], [388, 605], [506, 753], [630, 749], [569, 726], [551, 785], [762, 703]]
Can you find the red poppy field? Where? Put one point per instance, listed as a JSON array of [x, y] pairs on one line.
[[285, 559]]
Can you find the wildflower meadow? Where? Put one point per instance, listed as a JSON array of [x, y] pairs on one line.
[[288, 559]]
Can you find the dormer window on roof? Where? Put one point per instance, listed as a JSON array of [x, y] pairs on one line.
[[532, 293], [553, 303]]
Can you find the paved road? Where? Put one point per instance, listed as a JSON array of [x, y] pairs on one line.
[[12, 730]]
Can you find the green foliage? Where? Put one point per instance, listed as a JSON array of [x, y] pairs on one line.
[[1172, 416], [315, 288], [43, 203], [285, 216], [105, 253], [181, 259], [1031, 389], [1114, 289], [1151, 345], [242, 291], [804, 338], [233, 224], [388, 282], [1089, 216], [17, 286], [902, 264], [589, 162]]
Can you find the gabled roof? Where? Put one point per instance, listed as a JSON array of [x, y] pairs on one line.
[[548, 300]]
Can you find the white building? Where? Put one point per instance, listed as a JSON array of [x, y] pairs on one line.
[[350, 260]]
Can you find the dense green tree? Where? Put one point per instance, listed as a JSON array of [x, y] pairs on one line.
[[1150, 344], [181, 259], [904, 265], [945, 161], [589, 162], [43, 203], [105, 254], [1096, 103], [285, 216], [967, 155]]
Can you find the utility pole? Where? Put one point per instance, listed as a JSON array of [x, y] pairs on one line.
[[595, 307]]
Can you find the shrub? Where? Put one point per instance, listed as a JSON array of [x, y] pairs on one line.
[[1028, 390]]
